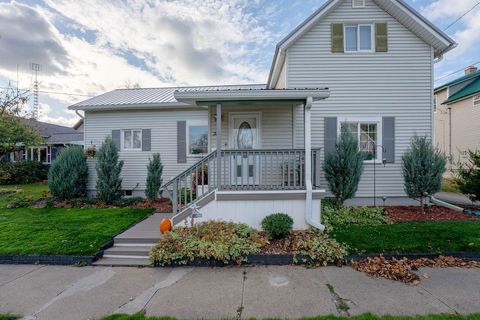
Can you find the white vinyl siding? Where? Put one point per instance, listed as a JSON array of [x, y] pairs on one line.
[[163, 125], [396, 84]]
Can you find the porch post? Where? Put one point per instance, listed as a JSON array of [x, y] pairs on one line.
[[219, 145], [308, 140]]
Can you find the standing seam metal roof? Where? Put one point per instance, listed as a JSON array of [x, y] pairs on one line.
[[152, 96]]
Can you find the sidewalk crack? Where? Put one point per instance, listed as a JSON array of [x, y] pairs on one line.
[[21, 276], [340, 303], [440, 300], [242, 307]]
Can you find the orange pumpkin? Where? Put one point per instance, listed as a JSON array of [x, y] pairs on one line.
[[165, 225]]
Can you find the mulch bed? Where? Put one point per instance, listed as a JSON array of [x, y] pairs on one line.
[[432, 213], [163, 205]]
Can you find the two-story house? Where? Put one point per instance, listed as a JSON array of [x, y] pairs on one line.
[[457, 117], [242, 152]]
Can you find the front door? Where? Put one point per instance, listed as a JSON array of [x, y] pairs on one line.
[[244, 135]]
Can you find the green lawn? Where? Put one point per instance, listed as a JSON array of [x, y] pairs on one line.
[[62, 231], [33, 189], [367, 316], [412, 237], [7, 316]]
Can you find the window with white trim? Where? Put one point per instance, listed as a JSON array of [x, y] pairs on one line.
[[476, 101], [368, 132], [359, 38], [197, 138], [132, 139]]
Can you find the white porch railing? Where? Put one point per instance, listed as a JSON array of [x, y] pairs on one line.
[[256, 169]]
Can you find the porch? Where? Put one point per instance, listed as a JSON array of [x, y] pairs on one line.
[[259, 148]]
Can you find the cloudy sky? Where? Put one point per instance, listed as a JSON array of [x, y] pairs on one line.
[[92, 46]]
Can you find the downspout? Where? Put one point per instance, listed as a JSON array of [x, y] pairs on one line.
[[310, 217], [450, 155], [79, 114]]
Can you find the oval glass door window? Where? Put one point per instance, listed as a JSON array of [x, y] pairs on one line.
[[245, 136]]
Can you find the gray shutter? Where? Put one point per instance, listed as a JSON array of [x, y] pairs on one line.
[[381, 37], [330, 134], [388, 133], [337, 37], [146, 139], [116, 138], [181, 141]]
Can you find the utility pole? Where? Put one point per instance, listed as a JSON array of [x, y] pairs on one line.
[[35, 112]]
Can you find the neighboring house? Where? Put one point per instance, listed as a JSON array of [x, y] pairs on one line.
[[457, 117], [364, 66], [56, 138]]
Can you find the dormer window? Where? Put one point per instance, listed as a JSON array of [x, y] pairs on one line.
[[359, 38], [358, 3]]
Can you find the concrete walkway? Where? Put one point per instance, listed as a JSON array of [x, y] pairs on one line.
[[456, 198], [55, 292]]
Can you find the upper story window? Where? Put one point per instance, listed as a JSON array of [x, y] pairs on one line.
[[476, 101], [132, 139], [359, 38], [197, 135], [358, 3]]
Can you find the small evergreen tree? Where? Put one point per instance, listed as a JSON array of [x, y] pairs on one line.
[[109, 183], [423, 166], [154, 177], [468, 176], [67, 177], [343, 168]]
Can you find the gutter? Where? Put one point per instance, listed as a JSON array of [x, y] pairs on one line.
[[309, 214]]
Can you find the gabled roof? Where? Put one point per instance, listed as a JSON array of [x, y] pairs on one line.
[[398, 9], [148, 97], [469, 90], [53, 133], [459, 80]]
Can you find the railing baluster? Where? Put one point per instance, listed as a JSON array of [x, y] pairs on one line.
[[301, 167]]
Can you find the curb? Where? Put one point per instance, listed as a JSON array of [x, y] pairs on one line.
[[60, 260]]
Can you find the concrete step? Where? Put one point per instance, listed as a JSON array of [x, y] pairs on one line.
[[141, 241], [135, 251], [123, 262]]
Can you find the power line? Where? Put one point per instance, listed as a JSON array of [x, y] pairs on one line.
[[450, 74], [463, 15], [56, 92]]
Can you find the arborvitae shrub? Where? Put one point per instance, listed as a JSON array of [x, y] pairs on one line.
[[67, 177], [109, 167]]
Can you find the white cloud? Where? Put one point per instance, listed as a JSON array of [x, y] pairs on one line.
[[467, 33], [184, 42]]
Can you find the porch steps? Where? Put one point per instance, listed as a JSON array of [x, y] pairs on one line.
[[132, 247]]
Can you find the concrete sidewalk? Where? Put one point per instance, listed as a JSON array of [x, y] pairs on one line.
[[55, 292]]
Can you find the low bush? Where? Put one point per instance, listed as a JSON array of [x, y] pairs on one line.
[[277, 225], [67, 178], [318, 247], [20, 200], [223, 241], [468, 176], [22, 172], [125, 202], [332, 217]]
